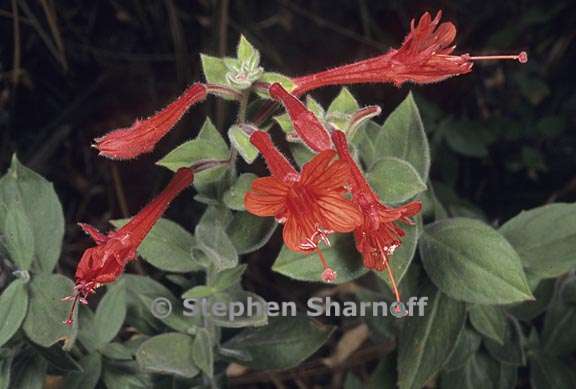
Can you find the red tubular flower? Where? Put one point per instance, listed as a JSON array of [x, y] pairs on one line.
[[306, 124], [378, 236], [310, 204], [424, 57], [143, 135], [105, 262]]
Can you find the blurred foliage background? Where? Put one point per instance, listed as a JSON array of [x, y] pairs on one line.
[[503, 137]]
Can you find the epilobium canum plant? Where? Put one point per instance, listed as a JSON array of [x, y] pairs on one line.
[[345, 207]]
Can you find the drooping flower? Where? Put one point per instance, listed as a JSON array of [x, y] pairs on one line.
[[426, 56], [306, 124], [379, 235], [143, 135], [105, 262], [310, 204]]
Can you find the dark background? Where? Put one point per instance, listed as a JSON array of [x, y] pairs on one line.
[[502, 137]]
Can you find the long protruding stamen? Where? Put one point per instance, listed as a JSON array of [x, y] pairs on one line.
[[390, 273], [328, 275], [70, 319], [522, 57], [393, 282]]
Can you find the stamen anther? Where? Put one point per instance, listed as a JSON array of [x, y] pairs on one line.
[[328, 275]]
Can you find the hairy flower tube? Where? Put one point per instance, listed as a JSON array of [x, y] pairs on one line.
[[310, 204], [424, 57], [143, 135], [378, 236], [105, 262], [306, 124]]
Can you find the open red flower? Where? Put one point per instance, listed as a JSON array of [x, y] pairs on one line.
[[306, 124], [143, 135], [105, 262], [378, 236], [424, 57], [310, 204]]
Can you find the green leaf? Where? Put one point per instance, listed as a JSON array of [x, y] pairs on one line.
[[116, 351], [199, 292], [549, 372], [126, 376], [227, 278], [89, 377], [245, 51], [19, 236], [559, 333], [203, 352], [504, 376], [341, 110], [314, 106], [341, 256], [227, 315], [37, 198], [249, 232], [87, 328], [282, 344], [285, 124], [217, 214], [209, 144], [234, 197], [271, 77], [170, 353], [466, 346], [427, 341], [244, 70], [44, 324], [213, 241], [474, 374], [395, 180], [167, 246], [301, 153], [545, 238], [344, 103], [241, 142], [470, 261], [214, 69], [13, 308], [402, 136], [218, 283], [111, 312], [141, 293], [529, 310], [490, 321], [365, 141], [511, 350], [382, 327]]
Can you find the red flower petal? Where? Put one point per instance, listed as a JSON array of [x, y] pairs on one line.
[[299, 231], [306, 124], [275, 160], [339, 214], [142, 135], [267, 196]]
